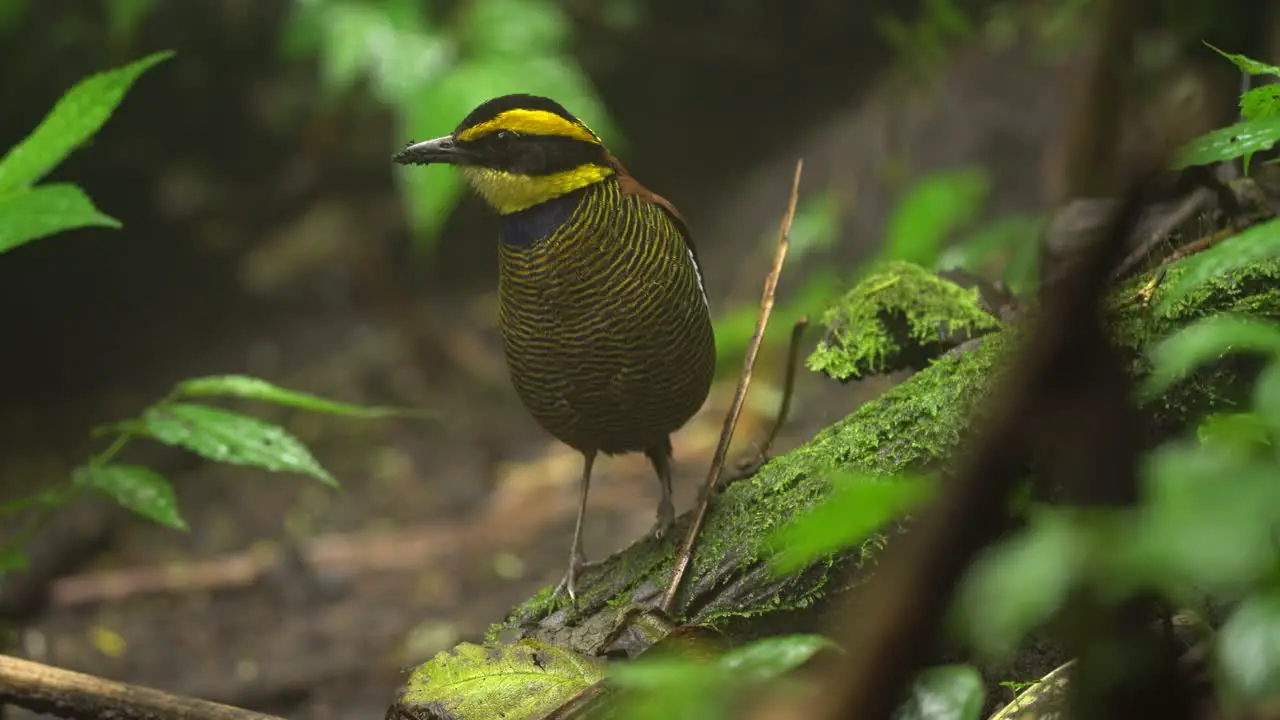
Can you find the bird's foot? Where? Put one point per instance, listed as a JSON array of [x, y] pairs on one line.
[[665, 519], [568, 584]]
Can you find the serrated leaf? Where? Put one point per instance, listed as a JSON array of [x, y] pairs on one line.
[[1247, 64], [770, 658], [948, 692], [30, 214], [1260, 242], [930, 211], [252, 388], [229, 437], [1229, 143], [1203, 341], [521, 681], [1018, 584], [1247, 657], [859, 506], [76, 117], [136, 488], [1261, 102]]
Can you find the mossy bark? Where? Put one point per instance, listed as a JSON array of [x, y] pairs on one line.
[[918, 423]]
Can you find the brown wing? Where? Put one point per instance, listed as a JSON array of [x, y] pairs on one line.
[[630, 186]]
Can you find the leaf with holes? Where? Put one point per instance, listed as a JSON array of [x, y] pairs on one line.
[[252, 388], [1228, 143], [229, 437], [30, 214], [1261, 102], [1182, 353], [527, 679], [1260, 242], [75, 118], [136, 488]]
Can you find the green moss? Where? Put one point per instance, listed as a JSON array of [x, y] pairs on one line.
[[899, 316], [915, 425]]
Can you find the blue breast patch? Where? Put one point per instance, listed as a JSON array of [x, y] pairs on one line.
[[523, 229]]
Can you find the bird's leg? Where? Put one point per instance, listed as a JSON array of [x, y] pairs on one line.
[[578, 560], [660, 457]]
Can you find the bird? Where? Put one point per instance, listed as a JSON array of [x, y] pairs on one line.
[[602, 307]]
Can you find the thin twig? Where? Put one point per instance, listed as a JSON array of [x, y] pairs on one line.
[[66, 694], [788, 385], [735, 408], [1192, 204]]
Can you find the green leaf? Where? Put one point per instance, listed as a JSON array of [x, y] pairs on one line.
[[770, 658], [1261, 102], [1260, 242], [678, 688], [1228, 143], [1266, 395], [1208, 522], [252, 388], [527, 679], [948, 692], [223, 436], [860, 505], [1247, 660], [135, 488], [1206, 340], [816, 225], [1247, 64], [11, 560], [76, 117], [972, 252], [1018, 584], [934, 208], [1243, 430], [45, 499], [30, 214]]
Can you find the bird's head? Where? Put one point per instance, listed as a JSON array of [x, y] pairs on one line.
[[518, 151]]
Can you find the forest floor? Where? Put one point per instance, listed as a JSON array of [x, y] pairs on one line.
[[290, 598]]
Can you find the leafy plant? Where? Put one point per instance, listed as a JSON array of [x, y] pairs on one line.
[[29, 212]]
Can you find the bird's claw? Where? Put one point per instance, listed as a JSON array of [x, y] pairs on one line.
[[665, 519], [568, 584]]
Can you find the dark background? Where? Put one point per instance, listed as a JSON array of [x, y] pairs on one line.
[[264, 233]]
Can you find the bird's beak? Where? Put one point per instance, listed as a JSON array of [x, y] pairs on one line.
[[441, 150]]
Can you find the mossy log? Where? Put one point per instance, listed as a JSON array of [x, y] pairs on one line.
[[918, 424]]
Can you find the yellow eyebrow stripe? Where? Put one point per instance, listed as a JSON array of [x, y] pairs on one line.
[[530, 122]]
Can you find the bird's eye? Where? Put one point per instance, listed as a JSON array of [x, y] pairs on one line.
[[502, 135]]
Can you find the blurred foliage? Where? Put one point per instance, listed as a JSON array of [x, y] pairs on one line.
[[431, 68], [29, 212], [428, 62]]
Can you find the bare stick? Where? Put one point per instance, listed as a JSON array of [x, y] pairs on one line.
[[735, 408], [66, 694]]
